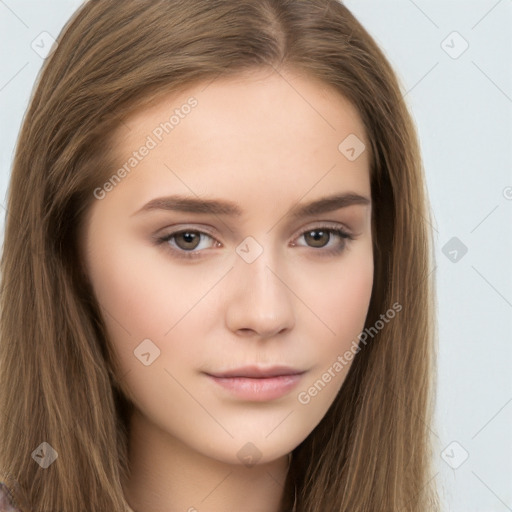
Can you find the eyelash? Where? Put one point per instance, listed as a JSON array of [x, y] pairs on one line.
[[181, 253]]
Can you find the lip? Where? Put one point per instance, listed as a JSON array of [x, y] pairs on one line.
[[258, 372], [258, 384]]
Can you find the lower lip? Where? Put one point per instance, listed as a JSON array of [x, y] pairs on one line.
[[259, 390]]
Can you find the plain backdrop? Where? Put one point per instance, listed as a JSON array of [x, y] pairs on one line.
[[453, 59]]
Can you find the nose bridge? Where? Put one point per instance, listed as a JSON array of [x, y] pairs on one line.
[[261, 281], [260, 300]]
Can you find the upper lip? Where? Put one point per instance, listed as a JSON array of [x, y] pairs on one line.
[[258, 372]]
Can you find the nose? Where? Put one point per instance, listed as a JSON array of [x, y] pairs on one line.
[[259, 298]]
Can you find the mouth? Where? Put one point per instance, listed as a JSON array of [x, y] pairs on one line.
[[256, 372], [258, 384]]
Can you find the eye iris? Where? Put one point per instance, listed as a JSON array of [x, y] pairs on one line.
[[189, 238], [320, 234]]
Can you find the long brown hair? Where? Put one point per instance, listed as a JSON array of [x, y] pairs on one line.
[[373, 449]]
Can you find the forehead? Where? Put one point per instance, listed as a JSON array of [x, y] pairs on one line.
[[263, 130], [287, 98]]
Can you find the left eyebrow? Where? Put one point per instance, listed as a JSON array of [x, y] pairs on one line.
[[218, 207], [328, 204]]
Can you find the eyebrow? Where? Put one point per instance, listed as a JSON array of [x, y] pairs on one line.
[[220, 207]]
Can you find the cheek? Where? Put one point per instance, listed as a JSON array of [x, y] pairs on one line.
[[343, 308], [143, 296], [146, 310], [130, 296], [140, 291], [351, 299], [341, 296], [339, 315]]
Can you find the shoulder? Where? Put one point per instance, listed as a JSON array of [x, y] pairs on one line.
[[6, 504]]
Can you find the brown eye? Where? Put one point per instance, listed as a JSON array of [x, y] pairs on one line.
[[317, 238], [187, 243], [187, 240]]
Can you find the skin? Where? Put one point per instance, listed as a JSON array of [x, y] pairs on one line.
[[265, 141]]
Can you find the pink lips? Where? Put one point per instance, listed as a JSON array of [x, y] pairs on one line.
[[258, 384]]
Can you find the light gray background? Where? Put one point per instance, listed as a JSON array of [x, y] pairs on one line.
[[462, 105]]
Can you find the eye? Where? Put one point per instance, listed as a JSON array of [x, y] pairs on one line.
[[186, 243], [319, 237]]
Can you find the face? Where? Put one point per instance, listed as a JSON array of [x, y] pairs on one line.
[[235, 272]]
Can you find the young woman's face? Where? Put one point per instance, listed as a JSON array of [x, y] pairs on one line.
[[190, 289]]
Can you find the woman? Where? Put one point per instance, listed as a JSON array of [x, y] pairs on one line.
[[286, 365]]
